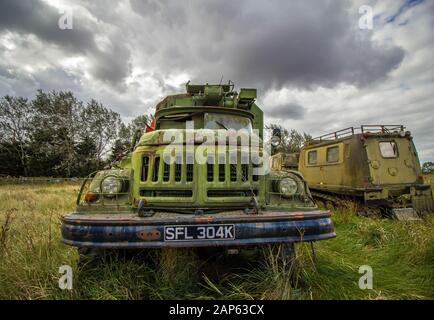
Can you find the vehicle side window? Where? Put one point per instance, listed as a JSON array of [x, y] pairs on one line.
[[388, 149], [312, 157], [332, 154]]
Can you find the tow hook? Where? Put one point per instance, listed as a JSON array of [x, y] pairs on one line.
[[254, 206], [142, 211], [250, 211]]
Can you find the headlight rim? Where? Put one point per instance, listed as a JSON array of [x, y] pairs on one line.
[[119, 190], [295, 183], [275, 141]]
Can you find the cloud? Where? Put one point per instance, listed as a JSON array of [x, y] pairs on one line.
[[302, 44], [40, 19], [288, 111], [315, 70], [405, 6]]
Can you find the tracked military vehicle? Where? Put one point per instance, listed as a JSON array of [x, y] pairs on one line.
[[196, 179], [377, 166]]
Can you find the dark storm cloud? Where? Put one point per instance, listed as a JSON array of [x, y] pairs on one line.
[[292, 111], [147, 7], [277, 43], [38, 18], [129, 54], [266, 44]]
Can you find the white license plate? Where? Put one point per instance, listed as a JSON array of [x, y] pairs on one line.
[[199, 232]]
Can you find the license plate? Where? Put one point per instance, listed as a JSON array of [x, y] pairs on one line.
[[199, 232]]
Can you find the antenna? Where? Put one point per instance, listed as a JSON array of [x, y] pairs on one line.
[[221, 80]]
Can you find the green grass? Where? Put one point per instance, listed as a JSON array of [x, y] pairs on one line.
[[401, 255]]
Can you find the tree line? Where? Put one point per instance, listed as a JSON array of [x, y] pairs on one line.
[[57, 135]]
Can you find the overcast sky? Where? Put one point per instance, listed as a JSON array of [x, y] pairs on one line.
[[315, 69]]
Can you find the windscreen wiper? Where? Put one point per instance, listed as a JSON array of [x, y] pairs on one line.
[[221, 125]]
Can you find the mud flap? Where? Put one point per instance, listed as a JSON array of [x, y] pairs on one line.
[[405, 214]]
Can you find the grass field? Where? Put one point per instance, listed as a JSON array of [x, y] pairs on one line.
[[400, 254]]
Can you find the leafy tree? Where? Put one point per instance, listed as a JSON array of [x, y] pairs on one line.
[[126, 134], [101, 126], [55, 134], [122, 144], [57, 125], [10, 162], [86, 157], [15, 118], [291, 141]]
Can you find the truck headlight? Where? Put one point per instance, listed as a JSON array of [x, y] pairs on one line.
[[110, 186], [275, 141], [288, 186]]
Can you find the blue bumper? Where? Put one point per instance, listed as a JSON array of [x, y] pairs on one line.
[[130, 231]]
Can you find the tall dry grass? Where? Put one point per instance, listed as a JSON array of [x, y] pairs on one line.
[[401, 255]]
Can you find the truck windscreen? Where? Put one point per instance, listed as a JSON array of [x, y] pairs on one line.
[[217, 121]]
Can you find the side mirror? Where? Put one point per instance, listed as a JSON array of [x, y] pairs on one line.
[[276, 138]]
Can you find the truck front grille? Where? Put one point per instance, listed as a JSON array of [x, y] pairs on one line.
[[231, 193], [237, 172], [156, 169], [183, 179], [166, 193]]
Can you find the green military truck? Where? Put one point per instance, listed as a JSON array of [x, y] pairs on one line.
[[375, 165], [198, 178]]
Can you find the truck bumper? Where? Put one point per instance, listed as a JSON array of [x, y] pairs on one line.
[[130, 231]]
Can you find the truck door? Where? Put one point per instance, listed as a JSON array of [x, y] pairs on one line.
[[391, 160]]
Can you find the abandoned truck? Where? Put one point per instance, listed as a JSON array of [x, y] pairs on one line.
[[192, 180], [375, 165]]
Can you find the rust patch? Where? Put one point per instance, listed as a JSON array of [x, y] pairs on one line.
[[204, 219], [149, 234], [299, 216]]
